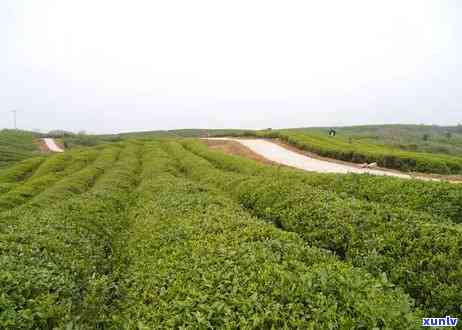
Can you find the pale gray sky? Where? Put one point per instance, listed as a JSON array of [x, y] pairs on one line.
[[110, 66]]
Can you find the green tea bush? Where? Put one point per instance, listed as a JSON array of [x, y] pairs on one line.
[[147, 235], [51, 171], [54, 163], [197, 260], [361, 152], [20, 171], [416, 253], [439, 198], [414, 250], [16, 145], [79, 181], [59, 264]]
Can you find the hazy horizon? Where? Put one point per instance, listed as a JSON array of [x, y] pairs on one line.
[[110, 66]]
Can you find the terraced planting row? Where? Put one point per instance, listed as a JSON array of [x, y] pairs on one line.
[[53, 178], [360, 152], [145, 247], [416, 251], [439, 198], [16, 145], [58, 265], [50, 171], [11, 176], [198, 260]]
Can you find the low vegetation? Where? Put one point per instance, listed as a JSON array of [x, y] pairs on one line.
[[16, 145], [419, 138], [82, 139], [418, 251], [72, 140], [129, 241], [438, 198], [416, 148], [199, 260], [58, 261], [162, 233], [358, 151]]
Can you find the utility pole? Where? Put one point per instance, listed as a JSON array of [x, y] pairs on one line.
[[14, 117]]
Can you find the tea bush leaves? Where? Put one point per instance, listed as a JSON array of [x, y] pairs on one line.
[[199, 261], [13, 175], [57, 262], [417, 251], [150, 235], [16, 145], [438, 198], [361, 152]]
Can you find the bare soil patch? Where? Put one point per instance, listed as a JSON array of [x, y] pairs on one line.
[[237, 149], [41, 145]]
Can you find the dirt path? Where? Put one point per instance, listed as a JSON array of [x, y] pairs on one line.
[[276, 153], [235, 148], [51, 145]]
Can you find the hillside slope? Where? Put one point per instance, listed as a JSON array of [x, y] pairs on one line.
[[420, 138], [156, 234], [71, 140], [16, 145], [349, 148], [417, 148]]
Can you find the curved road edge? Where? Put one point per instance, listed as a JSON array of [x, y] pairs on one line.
[[278, 154], [51, 145]]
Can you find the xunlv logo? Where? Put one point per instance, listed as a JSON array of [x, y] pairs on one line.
[[439, 321]]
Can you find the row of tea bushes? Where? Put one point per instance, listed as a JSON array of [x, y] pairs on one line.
[[79, 181], [39, 167], [414, 250], [17, 145], [438, 198], [420, 255], [12, 175], [50, 172], [360, 152], [59, 263], [197, 260]]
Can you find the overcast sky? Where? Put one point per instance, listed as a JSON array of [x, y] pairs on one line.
[[111, 66]]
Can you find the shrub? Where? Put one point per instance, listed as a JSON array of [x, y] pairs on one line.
[[438, 198], [417, 251], [198, 260], [59, 264], [20, 171], [361, 152]]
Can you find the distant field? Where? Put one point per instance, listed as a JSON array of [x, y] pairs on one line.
[[165, 233], [16, 145], [185, 133], [360, 145], [419, 138], [75, 140], [419, 148]]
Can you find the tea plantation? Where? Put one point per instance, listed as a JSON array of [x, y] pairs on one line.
[[368, 151], [16, 145], [167, 234]]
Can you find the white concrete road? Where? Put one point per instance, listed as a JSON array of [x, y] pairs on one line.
[[51, 145], [281, 155]]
